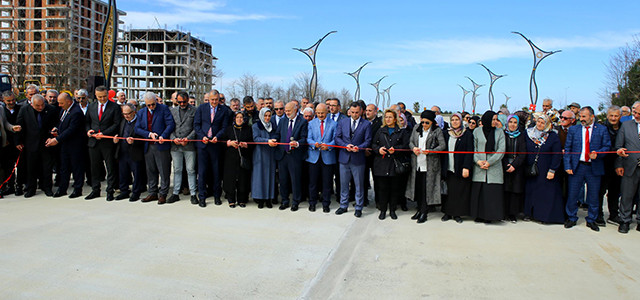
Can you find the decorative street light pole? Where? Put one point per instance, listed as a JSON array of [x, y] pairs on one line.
[[377, 86], [464, 95], [356, 76], [108, 46], [311, 53], [474, 94], [494, 77]]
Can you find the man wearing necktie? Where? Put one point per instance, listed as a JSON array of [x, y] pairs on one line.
[[583, 164], [36, 121], [334, 114], [69, 135], [102, 118], [322, 158], [209, 123], [628, 167], [291, 131]]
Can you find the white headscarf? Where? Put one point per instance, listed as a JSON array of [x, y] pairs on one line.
[[267, 125]]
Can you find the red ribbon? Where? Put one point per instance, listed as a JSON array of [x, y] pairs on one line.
[[12, 171]]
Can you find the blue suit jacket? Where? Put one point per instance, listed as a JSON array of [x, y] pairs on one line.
[[599, 141], [361, 139], [161, 123], [313, 137], [202, 122], [299, 134], [71, 134]]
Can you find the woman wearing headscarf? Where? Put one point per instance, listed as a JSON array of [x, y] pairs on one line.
[[424, 179], [487, 198], [389, 138], [237, 173], [458, 170], [513, 164], [264, 164], [502, 122], [474, 122], [543, 193]]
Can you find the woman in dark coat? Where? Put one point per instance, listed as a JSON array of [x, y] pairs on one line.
[[389, 138], [458, 170], [237, 175], [543, 193], [474, 122], [513, 164], [487, 192], [264, 163]]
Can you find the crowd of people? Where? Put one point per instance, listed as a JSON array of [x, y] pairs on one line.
[[494, 167]]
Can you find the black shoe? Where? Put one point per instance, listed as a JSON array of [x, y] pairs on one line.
[[600, 222], [593, 226], [446, 218], [29, 194], [9, 191], [341, 210], [260, 204], [75, 194], [382, 215], [312, 207], [615, 220], [19, 191], [110, 196], [122, 196], [283, 206], [568, 224], [294, 207], [325, 209], [92, 195], [134, 198], [457, 219], [404, 207], [48, 193], [173, 198], [422, 218], [268, 204], [638, 227], [242, 205], [59, 194], [273, 201], [623, 228], [194, 199], [513, 219], [393, 215], [217, 201], [202, 202], [527, 219], [358, 213], [415, 216]]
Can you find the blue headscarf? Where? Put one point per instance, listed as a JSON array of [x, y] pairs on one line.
[[515, 133]]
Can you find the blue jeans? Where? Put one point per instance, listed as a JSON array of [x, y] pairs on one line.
[[190, 160]]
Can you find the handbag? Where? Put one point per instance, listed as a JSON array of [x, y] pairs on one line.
[[532, 170], [399, 167], [244, 162]]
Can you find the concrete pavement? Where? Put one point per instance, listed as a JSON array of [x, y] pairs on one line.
[[70, 249]]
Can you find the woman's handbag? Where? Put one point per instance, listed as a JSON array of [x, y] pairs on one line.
[[532, 170], [244, 163], [398, 166]]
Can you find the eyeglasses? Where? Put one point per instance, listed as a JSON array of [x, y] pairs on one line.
[[278, 108], [151, 105], [221, 98], [565, 118], [425, 122], [181, 102], [81, 97]]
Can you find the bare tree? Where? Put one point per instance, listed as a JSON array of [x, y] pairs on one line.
[[247, 85], [618, 66]]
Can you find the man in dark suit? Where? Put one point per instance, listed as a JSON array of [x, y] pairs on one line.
[[336, 115], [69, 135], [9, 153], [37, 121], [102, 118], [353, 133], [628, 166], [371, 113], [156, 122], [292, 130], [210, 121], [130, 156], [583, 164]]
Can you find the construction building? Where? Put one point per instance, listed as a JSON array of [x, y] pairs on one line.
[[54, 41], [162, 61]]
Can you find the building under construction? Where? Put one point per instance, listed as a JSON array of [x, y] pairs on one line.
[[163, 62], [56, 42]]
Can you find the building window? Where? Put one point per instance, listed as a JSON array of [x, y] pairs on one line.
[[6, 13], [6, 35], [4, 46], [5, 57], [4, 24]]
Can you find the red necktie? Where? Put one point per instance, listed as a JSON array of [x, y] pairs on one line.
[[100, 112], [149, 119], [586, 145], [322, 128]]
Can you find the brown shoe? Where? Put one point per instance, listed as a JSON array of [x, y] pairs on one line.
[[150, 198], [162, 200]]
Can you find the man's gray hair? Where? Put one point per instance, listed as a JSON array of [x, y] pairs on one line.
[[120, 93], [214, 92], [307, 109], [83, 92], [31, 87], [614, 108], [133, 102], [37, 97], [8, 94], [149, 96], [53, 91], [279, 101], [129, 105], [635, 104]]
